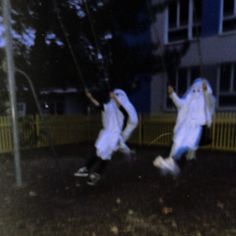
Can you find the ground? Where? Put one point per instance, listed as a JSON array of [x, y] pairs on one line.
[[132, 199]]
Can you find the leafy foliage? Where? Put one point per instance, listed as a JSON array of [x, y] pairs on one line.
[[109, 38]]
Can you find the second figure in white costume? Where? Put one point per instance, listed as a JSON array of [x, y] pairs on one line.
[[195, 109]]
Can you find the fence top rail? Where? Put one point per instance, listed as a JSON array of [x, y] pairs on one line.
[[222, 116]]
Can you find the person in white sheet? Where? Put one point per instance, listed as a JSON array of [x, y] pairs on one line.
[[109, 138], [195, 109]]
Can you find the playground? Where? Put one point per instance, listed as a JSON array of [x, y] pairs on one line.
[[132, 199], [57, 52]]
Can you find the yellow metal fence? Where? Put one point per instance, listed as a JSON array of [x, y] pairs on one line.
[[152, 130]]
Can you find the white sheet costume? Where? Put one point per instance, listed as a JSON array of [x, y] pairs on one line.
[[109, 136], [195, 109], [113, 135], [132, 121], [112, 138]]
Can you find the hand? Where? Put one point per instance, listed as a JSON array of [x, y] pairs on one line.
[[204, 85], [112, 95], [170, 90]]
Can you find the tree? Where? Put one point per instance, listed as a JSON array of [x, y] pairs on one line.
[[109, 39]]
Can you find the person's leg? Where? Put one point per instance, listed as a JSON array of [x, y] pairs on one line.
[[105, 147], [89, 163], [191, 155], [98, 171], [122, 147], [128, 131], [185, 139], [101, 166], [171, 164], [167, 165]]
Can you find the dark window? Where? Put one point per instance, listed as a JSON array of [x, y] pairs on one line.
[[227, 101], [197, 31], [172, 14], [177, 35], [195, 73], [197, 15], [184, 12], [197, 11], [225, 77], [228, 7], [227, 95], [229, 25], [179, 20], [182, 81], [172, 78], [234, 82]]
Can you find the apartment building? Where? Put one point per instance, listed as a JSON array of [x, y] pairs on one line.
[[208, 28]]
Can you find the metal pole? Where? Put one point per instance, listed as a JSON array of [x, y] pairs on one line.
[[12, 88]]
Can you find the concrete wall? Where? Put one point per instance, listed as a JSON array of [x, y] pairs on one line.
[[214, 49]]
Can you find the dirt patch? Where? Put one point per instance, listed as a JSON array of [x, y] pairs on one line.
[[132, 198]]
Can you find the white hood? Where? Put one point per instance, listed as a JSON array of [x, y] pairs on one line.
[[125, 102], [132, 114], [197, 106]]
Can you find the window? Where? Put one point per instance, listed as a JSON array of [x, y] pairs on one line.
[[227, 86], [181, 80], [183, 20], [197, 15], [228, 15]]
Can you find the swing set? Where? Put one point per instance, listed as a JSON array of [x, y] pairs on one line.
[[10, 68]]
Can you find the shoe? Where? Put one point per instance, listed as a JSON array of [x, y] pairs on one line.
[[191, 155], [167, 166], [81, 172], [93, 179], [157, 161]]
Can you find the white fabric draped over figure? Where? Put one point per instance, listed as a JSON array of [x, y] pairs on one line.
[[195, 109], [116, 110], [132, 121], [112, 138], [108, 138]]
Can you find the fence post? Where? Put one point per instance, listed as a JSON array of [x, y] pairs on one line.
[[37, 127], [140, 131]]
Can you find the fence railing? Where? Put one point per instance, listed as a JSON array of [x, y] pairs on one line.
[[152, 130]]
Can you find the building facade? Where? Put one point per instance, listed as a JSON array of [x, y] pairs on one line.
[[207, 30]]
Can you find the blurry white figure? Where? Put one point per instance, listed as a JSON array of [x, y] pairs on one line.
[[195, 109], [130, 120], [115, 106], [108, 138]]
